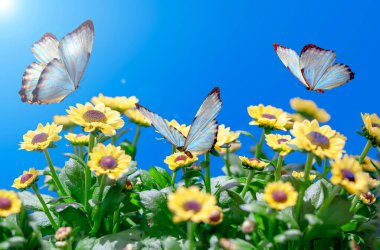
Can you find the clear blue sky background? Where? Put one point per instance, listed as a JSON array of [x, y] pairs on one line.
[[172, 53]]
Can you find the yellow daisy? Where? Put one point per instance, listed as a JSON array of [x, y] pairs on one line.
[[178, 160], [279, 143], [225, 137], [180, 127], [98, 117], [63, 120], [372, 128], [348, 173], [280, 195], [190, 204], [41, 138], [26, 179], [136, 117], [268, 117], [78, 139], [10, 203], [372, 183], [321, 141], [118, 103], [292, 119], [367, 164], [216, 216], [309, 110], [367, 198], [253, 163], [109, 160], [300, 175]]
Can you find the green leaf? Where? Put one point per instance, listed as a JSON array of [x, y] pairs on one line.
[[192, 174], [128, 148], [152, 199], [13, 242], [77, 159], [147, 181], [31, 202], [172, 243], [112, 199], [41, 219], [111, 241], [291, 234], [161, 179], [73, 214], [72, 176], [313, 219], [236, 197]]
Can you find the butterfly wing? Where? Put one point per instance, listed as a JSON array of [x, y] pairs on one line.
[[291, 60], [46, 49], [335, 76], [204, 129], [53, 85], [314, 61], [30, 80], [170, 133], [75, 49]]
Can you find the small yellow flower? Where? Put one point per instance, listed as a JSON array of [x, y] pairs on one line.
[[180, 127], [368, 164], [309, 110], [280, 195], [63, 120], [190, 204], [253, 163], [348, 173], [279, 143], [10, 203], [63, 233], [109, 160], [26, 179], [135, 116], [78, 139], [300, 175], [367, 198], [268, 117], [372, 183], [41, 138], [178, 160], [118, 103], [372, 128], [225, 137], [98, 117], [321, 141], [216, 216]]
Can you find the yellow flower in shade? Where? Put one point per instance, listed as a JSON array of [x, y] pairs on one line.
[[216, 216], [63, 120], [368, 164], [98, 117], [109, 160], [178, 160], [78, 139], [118, 103], [225, 137], [348, 173], [135, 116], [292, 119], [372, 183], [190, 204], [41, 138], [279, 143], [268, 117], [280, 195], [309, 110], [26, 179], [253, 163], [372, 128], [180, 127], [10, 203], [300, 175], [367, 198], [321, 141]]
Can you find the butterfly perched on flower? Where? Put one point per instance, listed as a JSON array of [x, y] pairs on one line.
[[60, 65], [203, 131], [315, 67]]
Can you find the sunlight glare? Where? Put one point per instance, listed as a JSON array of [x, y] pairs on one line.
[[6, 7]]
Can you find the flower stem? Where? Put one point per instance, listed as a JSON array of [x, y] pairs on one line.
[[190, 234], [208, 173], [44, 206], [354, 203], [87, 174], [280, 160], [272, 225], [367, 147], [174, 176], [328, 200], [309, 163], [247, 183], [54, 174], [260, 145], [227, 162], [137, 135], [325, 168], [97, 214]]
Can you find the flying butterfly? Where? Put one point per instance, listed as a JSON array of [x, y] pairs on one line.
[[60, 65], [203, 130], [315, 67]]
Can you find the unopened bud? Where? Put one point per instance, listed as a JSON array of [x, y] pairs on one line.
[[227, 244], [248, 226]]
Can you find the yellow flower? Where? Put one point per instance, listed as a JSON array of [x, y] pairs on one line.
[[321, 141], [63, 233], [279, 143], [10, 203], [368, 164], [372, 183], [293, 118], [309, 110], [253, 163], [280, 195], [41, 138], [178, 160], [136, 117], [180, 127], [63, 120], [300, 175], [118, 103], [26, 179], [372, 128], [367, 198], [78, 139], [190, 204], [225, 137], [109, 160], [216, 216], [268, 117], [348, 173], [97, 117]]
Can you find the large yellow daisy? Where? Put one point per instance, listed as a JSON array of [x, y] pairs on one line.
[[180, 127], [26, 179], [10, 203], [118, 103], [279, 143], [78, 139], [178, 160], [268, 117], [280, 195], [135, 116], [63, 120], [368, 164], [41, 138], [225, 138], [309, 110], [372, 128]]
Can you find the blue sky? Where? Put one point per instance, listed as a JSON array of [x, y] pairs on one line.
[[172, 53]]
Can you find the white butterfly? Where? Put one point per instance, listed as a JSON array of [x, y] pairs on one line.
[[315, 68], [60, 65], [203, 131]]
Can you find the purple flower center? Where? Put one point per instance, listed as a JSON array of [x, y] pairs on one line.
[[192, 206], [39, 138], [279, 141], [94, 116], [215, 216], [375, 125], [269, 116], [318, 139], [25, 178], [279, 196], [80, 135], [108, 162], [5, 203], [368, 196], [254, 159], [180, 158], [347, 174]]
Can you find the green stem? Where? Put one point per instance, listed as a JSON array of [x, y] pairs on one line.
[[97, 214], [280, 160], [247, 183], [137, 135], [227, 162], [309, 163], [325, 168], [260, 144], [367, 147], [328, 200], [44, 206], [174, 176], [272, 224], [115, 223], [87, 173], [208, 173], [113, 139], [354, 203], [190, 234], [54, 174]]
